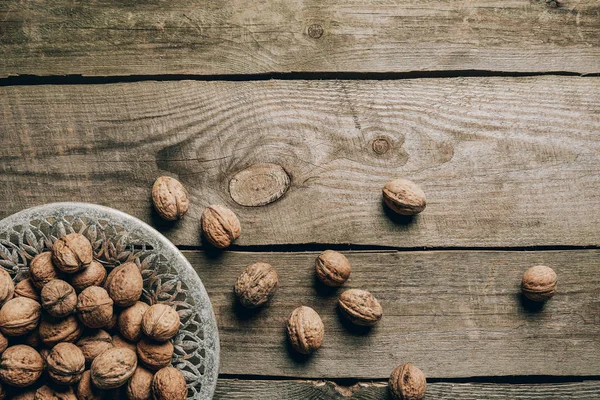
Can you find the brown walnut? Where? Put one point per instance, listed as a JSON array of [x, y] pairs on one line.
[[119, 342], [404, 197], [86, 390], [42, 270], [125, 284], [7, 286], [140, 385], [113, 368], [539, 283], [25, 288], [155, 355], [169, 384], [220, 226], [94, 307], [3, 343], [44, 354], [63, 330], [130, 321], [58, 298], [93, 275], [170, 198], [256, 285], [332, 268], [72, 253], [94, 343], [20, 365], [66, 364], [113, 322], [160, 322], [55, 393], [360, 307], [305, 330], [407, 382], [19, 316]]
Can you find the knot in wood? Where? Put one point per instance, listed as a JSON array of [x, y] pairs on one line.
[[259, 184], [315, 31], [381, 145]]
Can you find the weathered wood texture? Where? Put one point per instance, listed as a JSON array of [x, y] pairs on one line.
[[452, 313], [231, 389], [110, 37], [504, 161]]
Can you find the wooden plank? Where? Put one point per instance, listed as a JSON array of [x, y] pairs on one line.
[[504, 161], [452, 313], [110, 37], [320, 390]]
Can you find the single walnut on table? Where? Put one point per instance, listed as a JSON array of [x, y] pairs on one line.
[[161, 322], [20, 365], [404, 197], [539, 283], [256, 285], [72, 253], [332, 268], [169, 384], [360, 307], [407, 382], [305, 330], [58, 298], [66, 364], [19, 316], [124, 284], [170, 198], [220, 226]]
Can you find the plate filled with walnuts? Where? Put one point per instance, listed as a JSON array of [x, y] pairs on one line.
[[96, 304]]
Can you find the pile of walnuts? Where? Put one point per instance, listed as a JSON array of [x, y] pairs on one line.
[[55, 341]]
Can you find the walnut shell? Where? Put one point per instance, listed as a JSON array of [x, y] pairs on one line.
[[119, 342], [332, 268], [19, 316], [20, 365], [55, 393], [72, 253], [140, 385], [125, 284], [44, 354], [87, 391], [63, 330], [256, 285], [24, 395], [7, 286], [407, 382], [58, 298], [220, 226], [170, 198], [66, 363], [26, 288], [112, 324], [305, 330], [93, 275], [3, 343], [113, 368], [94, 307], [42, 270], [155, 355], [130, 321], [539, 283], [93, 344], [160, 322], [360, 307], [404, 197], [169, 384]]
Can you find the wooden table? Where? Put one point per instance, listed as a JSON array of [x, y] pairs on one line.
[[295, 114]]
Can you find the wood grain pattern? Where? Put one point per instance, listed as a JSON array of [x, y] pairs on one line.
[[452, 313], [110, 37], [503, 161], [321, 390]]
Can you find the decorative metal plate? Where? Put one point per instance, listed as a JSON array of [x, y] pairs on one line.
[[116, 238]]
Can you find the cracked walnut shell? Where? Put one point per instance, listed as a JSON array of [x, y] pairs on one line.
[[19, 316], [160, 322], [72, 253], [42, 270], [256, 285], [66, 364], [94, 307], [169, 384], [305, 330], [404, 197], [93, 275], [407, 382], [170, 198], [93, 344], [130, 321], [155, 355], [125, 284], [21, 365], [58, 298], [220, 225], [332, 268], [113, 368], [360, 307]]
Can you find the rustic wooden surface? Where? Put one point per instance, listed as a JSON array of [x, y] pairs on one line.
[[504, 161], [110, 37]]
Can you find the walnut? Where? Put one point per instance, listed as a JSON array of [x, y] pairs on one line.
[[256, 285], [305, 330], [113, 368], [125, 284], [72, 253], [93, 275], [130, 321], [65, 363], [24, 395], [407, 382], [220, 226], [155, 355], [94, 307], [360, 307], [170, 198], [58, 298], [63, 330], [7, 286], [26, 288], [140, 385], [20, 365], [539, 283], [169, 384], [332, 268], [55, 393], [404, 197], [44, 354], [19, 316], [94, 343], [160, 322], [3, 343], [112, 324], [42, 270], [119, 342], [87, 391]]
